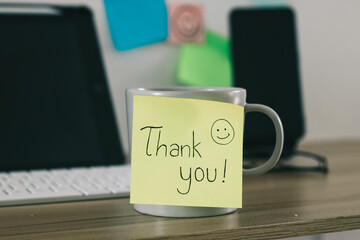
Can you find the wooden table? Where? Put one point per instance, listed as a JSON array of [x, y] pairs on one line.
[[276, 205]]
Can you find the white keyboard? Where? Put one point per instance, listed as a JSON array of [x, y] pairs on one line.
[[58, 185]]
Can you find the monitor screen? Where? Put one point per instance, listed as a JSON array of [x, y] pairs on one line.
[[54, 102], [265, 63]]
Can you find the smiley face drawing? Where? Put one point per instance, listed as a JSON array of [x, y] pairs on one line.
[[222, 132]]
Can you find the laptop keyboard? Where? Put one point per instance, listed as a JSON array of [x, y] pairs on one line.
[[59, 185]]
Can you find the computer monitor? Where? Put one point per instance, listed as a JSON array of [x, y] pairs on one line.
[[265, 63], [55, 103]]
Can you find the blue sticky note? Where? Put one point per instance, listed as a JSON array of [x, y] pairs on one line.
[[136, 23]]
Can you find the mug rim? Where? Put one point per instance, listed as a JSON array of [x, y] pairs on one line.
[[185, 89]]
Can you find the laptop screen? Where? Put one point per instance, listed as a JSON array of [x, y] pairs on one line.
[[54, 100]]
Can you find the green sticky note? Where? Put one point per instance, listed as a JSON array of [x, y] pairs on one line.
[[207, 64], [186, 152]]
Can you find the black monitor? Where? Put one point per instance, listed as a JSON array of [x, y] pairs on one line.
[[55, 103], [265, 63]]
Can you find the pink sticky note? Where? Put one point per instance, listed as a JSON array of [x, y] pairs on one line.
[[186, 23]]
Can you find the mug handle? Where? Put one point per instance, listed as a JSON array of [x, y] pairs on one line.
[[279, 139]]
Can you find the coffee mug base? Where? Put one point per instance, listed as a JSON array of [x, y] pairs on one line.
[[181, 211]]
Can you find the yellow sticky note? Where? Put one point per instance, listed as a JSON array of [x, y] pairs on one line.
[[186, 152]]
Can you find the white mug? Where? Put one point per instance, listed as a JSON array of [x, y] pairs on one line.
[[220, 94]]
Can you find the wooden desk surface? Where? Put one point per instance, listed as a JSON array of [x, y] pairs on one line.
[[276, 205]]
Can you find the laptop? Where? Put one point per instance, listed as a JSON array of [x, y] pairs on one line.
[[57, 121]]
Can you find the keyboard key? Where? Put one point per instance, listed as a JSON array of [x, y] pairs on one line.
[[118, 189], [93, 191], [56, 194]]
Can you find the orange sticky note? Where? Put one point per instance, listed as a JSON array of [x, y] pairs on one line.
[[186, 23], [186, 152]]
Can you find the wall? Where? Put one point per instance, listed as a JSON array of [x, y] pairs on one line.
[[329, 37]]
